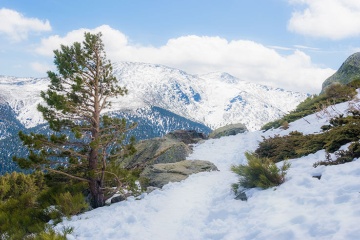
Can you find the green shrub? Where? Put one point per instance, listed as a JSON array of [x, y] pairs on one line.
[[25, 201], [70, 204], [127, 179], [341, 156], [342, 130], [259, 172]]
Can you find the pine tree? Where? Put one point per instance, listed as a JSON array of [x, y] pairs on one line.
[[84, 140]]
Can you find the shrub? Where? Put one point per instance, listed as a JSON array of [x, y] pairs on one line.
[[259, 172], [341, 156], [25, 201], [342, 130], [71, 204]]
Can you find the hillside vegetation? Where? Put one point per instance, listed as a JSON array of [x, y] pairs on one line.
[[335, 93], [341, 130]]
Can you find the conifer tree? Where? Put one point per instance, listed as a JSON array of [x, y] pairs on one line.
[[84, 139]]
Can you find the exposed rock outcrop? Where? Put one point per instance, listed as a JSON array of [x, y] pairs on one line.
[[186, 136], [158, 175], [171, 148], [228, 130]]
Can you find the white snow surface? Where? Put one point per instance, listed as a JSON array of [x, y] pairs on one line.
[[203, 206], [214, 99]]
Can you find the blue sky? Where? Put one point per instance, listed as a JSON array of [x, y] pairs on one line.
[[293, 44]]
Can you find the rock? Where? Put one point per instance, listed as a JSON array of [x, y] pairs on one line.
[[150, 189], [171, 148], [228, 130], [186, 136], [157, 150], [118, 199], [241, 196], [160, 174]]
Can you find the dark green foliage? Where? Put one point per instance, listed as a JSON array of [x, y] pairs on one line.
[[334, 94], [20, 212], [259, 172], [124, 178], [84, 141], [342, 130], [342, 156], [71, 204], [26, 200]]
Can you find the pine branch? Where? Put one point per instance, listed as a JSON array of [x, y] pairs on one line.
[[66, 174]]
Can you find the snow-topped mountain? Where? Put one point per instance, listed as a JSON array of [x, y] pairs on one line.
[[160, 100], [213, 100], [22, 95]]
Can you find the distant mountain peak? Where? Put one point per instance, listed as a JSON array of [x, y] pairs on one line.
[[222, 76]]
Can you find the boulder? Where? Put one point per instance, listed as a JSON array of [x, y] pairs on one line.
[[186, 136], [171, 148], [158, 175], [228, 130], [241, 196], [118, 198], [157, 150]]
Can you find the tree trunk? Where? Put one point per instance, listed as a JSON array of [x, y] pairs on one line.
[[97, 194]]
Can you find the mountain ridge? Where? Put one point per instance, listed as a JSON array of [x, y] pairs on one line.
[[214, 99]]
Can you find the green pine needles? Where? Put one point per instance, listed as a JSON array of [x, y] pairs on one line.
[[259, 172], [84, 139]]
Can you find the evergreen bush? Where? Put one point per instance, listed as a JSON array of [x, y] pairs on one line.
[[71, 204], [259, 172]]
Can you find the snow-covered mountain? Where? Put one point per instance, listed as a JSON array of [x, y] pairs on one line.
[[160, 100], [214, 99]]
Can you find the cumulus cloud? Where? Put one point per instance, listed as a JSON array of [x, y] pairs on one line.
[[17, 27], [246, 60], [334, 19]]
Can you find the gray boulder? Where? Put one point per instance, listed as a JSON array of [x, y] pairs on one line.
[[186, 136], [157, 150], [228, 130], [171, 148], [158, 175]]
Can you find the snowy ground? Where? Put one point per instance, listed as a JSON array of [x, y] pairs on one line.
[[203, 206]]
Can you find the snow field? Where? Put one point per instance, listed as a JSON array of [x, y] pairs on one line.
[[203, 206]]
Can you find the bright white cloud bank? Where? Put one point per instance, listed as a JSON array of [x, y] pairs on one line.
[[17, 27], [246, 60], [334, 19]]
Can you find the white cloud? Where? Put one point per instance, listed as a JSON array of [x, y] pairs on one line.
[[17, 27], [334, 19], [41, 67], [247, 60]]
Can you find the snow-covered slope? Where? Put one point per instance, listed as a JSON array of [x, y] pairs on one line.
[[203, 206], [23, 96], [214, 99]]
